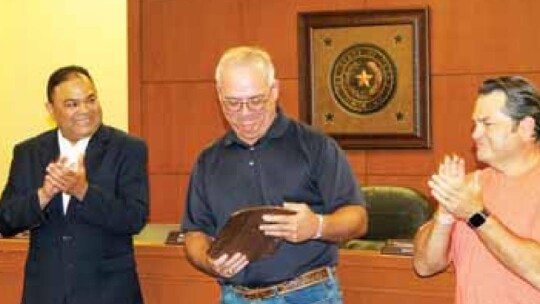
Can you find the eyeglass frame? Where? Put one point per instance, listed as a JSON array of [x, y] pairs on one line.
[[260, 100]]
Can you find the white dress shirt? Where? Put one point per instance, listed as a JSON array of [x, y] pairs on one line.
[[71, 152]]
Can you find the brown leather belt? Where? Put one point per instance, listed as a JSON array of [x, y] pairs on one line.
[[304, 280]]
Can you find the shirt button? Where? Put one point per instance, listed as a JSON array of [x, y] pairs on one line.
[[251, 163], [251, 148], [67, 238]]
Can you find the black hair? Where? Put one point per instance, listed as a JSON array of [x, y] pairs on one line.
[[522, 98], [62, 74]]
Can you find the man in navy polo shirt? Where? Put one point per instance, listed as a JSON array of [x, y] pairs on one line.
[[268, 159]]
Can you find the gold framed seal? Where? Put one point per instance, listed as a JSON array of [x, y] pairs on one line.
[[364, 77]]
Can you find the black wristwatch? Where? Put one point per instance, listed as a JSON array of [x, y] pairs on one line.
[[478, 219]]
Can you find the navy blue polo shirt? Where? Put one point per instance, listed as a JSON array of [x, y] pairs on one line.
[[292, 163]]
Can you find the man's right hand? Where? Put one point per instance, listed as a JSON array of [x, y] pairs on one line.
[[228, 267], [53, 181], [456, 192], [197, 244], [47, 191]]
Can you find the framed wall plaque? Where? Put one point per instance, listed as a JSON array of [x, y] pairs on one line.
[[364, 77]]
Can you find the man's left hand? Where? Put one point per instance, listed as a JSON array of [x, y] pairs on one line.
[[294, 228], [70, 179]]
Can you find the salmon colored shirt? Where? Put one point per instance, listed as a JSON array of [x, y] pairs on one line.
[[480, 277]]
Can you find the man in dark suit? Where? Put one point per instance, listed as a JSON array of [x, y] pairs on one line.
[[82, 191]]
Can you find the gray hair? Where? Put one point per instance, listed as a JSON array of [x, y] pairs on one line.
[[246, 55]]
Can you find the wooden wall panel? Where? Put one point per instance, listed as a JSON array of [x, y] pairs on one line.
[[279, 39], [174, 107], [167, 196], [452, 122], [134, 67], [183, 39], [477, 36], [357, 159], [288, 92], [399, 162], [314, 5], [481, 37], [350, 4], [180, 119]]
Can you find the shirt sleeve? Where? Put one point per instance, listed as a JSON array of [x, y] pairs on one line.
[[335, 178], [19, 204], [198, 215]]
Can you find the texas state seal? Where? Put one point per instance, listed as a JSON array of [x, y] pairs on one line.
[[363, 79]]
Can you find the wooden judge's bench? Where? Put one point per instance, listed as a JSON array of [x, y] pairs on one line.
[[367, 277]]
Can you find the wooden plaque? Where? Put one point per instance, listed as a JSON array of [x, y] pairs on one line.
[[364, 77]]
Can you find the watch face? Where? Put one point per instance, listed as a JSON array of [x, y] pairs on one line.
[[477, 219]]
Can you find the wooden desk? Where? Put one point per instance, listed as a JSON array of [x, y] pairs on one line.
[[367, 277]]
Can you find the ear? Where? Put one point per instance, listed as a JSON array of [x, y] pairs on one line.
[[50, 109], [526, 128], [275, 90]]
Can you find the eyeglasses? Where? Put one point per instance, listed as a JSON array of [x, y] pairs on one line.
[[254, 103]]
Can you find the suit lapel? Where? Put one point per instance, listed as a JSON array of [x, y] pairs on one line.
[[56, 207], [93, 157], [96, 151], [49, 149]]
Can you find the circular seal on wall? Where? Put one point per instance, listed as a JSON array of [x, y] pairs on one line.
[[363, 79]]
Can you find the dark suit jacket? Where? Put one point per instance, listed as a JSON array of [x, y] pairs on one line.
[[85, 256]]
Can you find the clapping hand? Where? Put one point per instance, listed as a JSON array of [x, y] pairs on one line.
[[68, 178], [457, 194]]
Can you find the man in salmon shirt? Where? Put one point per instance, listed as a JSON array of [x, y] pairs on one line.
[[488, 221]]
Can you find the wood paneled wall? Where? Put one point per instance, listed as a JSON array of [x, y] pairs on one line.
[[174, 46]]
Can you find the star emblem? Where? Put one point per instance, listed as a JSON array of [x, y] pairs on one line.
[[329, 117], [399, 116], [327, 41], [363, 79], [398, 38]]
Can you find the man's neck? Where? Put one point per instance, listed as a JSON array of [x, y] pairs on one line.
[[523, 163], [72, 142]]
